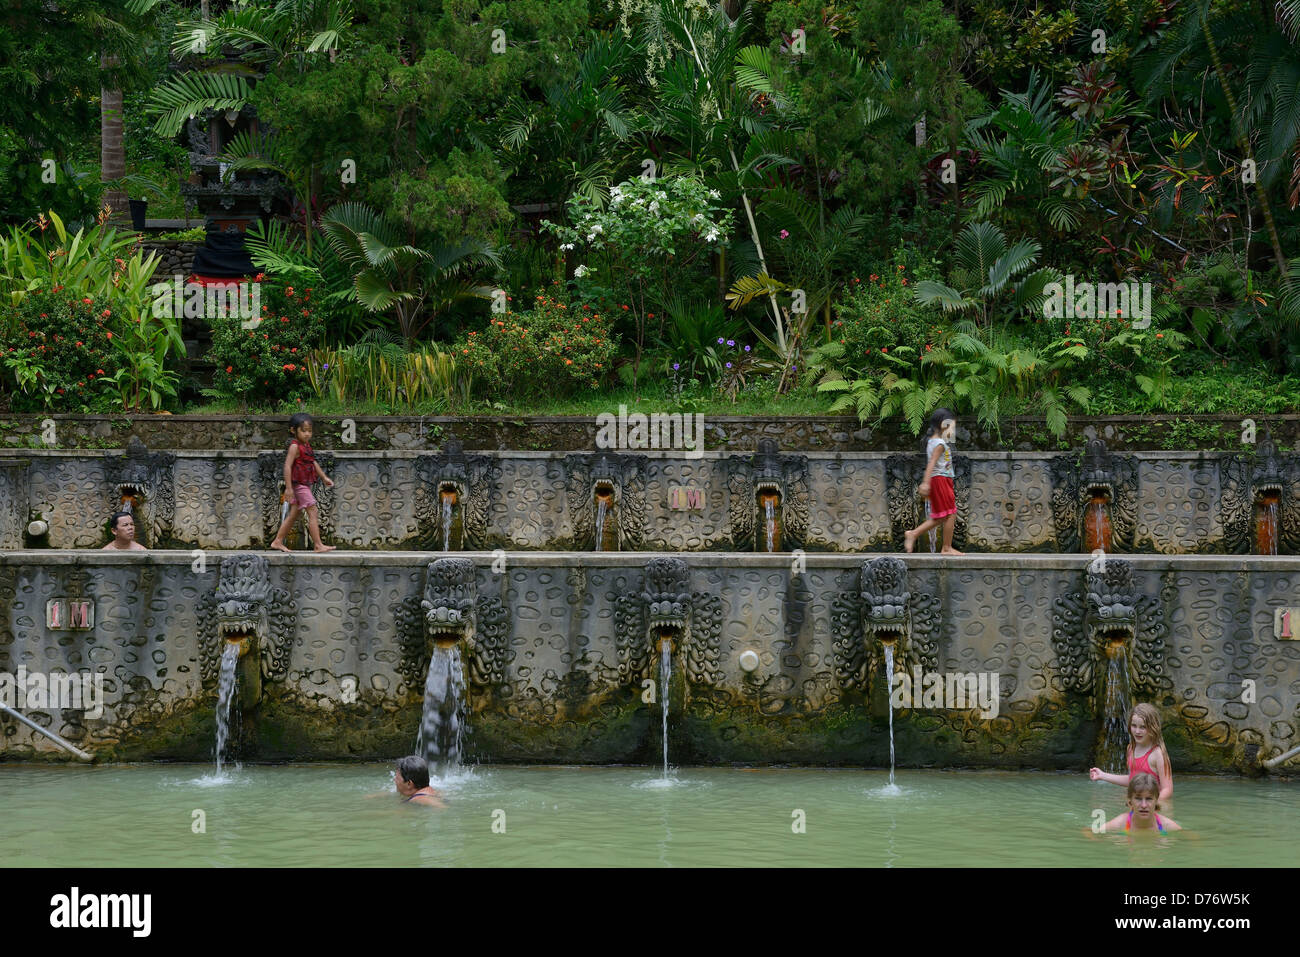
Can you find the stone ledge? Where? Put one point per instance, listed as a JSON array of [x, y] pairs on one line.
[[533, 559]]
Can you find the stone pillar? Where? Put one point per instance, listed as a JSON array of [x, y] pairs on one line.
[[13, 503]]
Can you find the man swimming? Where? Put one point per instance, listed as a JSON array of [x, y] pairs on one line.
[[412, 780]]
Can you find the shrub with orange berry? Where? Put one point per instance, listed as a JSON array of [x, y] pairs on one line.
[[551, 349]]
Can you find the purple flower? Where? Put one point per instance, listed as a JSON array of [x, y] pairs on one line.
[[731, 342], [676, 366], [728, 365], [326, 367], [720, 341], [746, 348]]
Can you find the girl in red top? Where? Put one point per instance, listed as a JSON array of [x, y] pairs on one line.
[[937, 485], [1146, 753], [300, 471]]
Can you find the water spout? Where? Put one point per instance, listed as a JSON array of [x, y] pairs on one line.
[[889, 694], [442, 723], [769, 505], [665, 675], [606, 527], [448, 497], [1096, 523], [225, 694], [1267, 527], [1112, 752]]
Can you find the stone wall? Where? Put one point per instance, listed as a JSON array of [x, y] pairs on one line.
[[1166, 503], [562, 655], [174, 258], [553, 433]]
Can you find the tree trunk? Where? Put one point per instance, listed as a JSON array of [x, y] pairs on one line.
[[112, 152]]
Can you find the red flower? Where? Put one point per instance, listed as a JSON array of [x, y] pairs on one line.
[[87, 301], [78, 345], [99, 371], [229, 369]]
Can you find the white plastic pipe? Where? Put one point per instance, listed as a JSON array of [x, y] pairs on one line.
[[1274, 762], [49, 734]]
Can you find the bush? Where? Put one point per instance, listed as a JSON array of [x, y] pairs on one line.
[[552, 350], [879, 317], [56, 351], [268, 362]]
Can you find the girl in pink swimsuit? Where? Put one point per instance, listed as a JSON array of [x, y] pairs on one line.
[[1143, 803], [1146, 753]]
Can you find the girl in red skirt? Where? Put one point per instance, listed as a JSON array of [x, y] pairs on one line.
[[937, 483]]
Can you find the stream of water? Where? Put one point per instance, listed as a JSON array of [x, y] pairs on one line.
[[665, 673], [442, 723], [601, 512], [1112, 753], [225, 694], [889, 688]]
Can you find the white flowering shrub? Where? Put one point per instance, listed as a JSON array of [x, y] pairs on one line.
[[638, 244]]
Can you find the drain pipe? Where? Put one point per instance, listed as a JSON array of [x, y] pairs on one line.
[[49, 734], [1274, 762]]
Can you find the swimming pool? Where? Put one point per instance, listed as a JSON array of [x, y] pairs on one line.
[[329, 815]]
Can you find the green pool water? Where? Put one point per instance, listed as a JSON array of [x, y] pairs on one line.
[[328, 815]]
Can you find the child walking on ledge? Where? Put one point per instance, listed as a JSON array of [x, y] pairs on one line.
[[300, 471], [937, 485]]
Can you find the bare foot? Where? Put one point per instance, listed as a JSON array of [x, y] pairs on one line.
[[281, 546], [324, 548], [909, 540], [951, 551]]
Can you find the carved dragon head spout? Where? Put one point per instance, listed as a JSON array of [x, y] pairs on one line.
[[769, 499], [450, 602], [245, 611], [606, 490], [881, 609], [453, 471], [1096, 476], [1094, 503], [1106, 621], [450, 612], [884, 597], [667, 600], [453, 498], [143, 486], [665, 610], [1112, 607], [769, 473], [1259, 501]]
